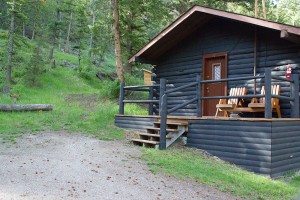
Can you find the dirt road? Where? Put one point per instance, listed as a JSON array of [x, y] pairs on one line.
[[71, 166]]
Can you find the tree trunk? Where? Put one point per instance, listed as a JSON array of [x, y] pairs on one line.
[[264, 8], [24, 31], [11, 44], [53, 39], [79, 52], [68, 34], [128, 67], [52, 49], [33, 31], [256, 8], [118, 51], [26, 107], [92, 34], [59, 20]]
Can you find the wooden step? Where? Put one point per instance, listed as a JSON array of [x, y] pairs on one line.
[[168, 130], [145, 141], [154, 135], [174, 123]]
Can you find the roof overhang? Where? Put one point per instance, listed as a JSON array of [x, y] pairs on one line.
[[193, 19]]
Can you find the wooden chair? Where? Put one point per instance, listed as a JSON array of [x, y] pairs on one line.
[[229, 105], [258, 105]]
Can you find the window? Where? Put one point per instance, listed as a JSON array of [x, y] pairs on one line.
[[216, 71]]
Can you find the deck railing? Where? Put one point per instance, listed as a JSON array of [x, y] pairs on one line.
[[294, 97], [163, 100], [150, 100]]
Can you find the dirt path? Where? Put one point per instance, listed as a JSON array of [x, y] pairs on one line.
[[71, 166]]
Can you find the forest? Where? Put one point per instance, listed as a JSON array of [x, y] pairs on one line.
[[93, 30]]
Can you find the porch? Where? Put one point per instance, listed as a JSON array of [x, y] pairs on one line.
[[265, 145]]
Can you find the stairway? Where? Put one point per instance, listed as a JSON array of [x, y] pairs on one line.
[[151, 137]]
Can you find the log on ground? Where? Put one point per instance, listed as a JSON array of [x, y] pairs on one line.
[[26, 107]]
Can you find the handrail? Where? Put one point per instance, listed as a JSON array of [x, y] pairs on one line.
[[235, 97], [139, 86], [140, 101], [249, 97], [233, 79]]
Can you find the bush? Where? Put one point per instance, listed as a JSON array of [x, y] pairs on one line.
[[110, 89]]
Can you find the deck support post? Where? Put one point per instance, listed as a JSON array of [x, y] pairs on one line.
[[150, 109], [199, 92], [268, 93], [163, 114], [121, 101], [295, 96]]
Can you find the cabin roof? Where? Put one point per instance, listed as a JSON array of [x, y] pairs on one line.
[[193, 19]]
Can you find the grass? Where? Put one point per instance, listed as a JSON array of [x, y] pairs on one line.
[[190, 164], [77, 108]]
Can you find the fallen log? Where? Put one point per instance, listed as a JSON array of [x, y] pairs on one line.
[[26, 107]]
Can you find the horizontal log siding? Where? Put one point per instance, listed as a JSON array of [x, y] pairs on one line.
[[134, 123], [285, 147], [184, 62], [244, 143], [266, 147]]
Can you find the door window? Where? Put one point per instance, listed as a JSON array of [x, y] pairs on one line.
[[216, 71]]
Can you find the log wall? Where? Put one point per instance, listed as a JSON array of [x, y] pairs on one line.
[[181, 65], [265, 147], [285, 146], [134, 123]]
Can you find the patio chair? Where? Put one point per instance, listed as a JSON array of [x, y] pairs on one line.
[[229, 105], [258, 105]]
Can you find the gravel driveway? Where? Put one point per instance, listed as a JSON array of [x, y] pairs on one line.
[[58, 165]]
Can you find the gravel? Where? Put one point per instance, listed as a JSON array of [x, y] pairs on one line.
[[59, 165]]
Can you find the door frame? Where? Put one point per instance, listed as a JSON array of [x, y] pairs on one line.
[[206, 57]]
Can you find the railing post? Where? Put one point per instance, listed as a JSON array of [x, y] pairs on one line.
[[150, 109], [268, 93], [121, 100], [295, 95], [163, 114], [199, 92]]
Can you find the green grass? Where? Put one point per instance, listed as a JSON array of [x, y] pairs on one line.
[[190, 164], [77, 108]]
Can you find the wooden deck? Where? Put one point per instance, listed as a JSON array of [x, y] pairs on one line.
[[265, 146], [187, 118]]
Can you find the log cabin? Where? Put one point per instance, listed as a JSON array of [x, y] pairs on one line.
[[197, 60]]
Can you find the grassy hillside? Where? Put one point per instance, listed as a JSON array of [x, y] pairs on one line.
[[77, 107]]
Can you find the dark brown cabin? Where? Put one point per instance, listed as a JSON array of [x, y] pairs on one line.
[[197, 60]]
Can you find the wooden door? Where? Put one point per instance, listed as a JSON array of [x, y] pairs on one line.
[[214, 68]]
